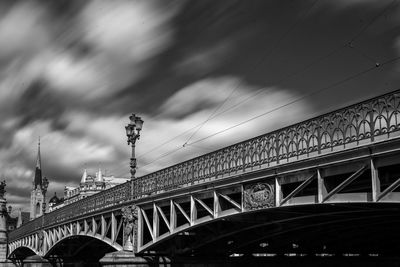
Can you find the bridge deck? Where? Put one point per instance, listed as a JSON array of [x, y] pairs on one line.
[[358, 125]]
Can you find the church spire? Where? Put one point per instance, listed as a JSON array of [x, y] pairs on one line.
[[38, 160], [38, 170]]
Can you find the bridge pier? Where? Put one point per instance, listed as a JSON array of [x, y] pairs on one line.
[[123, 259], [36, 261], [3, 230], [3, 227]]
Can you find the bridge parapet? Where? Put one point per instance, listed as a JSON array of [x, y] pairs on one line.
[[362, 123]]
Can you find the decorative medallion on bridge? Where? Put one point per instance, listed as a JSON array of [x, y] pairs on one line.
[[259, 196], [129, 216]]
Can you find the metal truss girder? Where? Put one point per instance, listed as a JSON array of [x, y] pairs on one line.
[[345, 183], [86, 226], [103, 226], [211, 212], [389, 189], [193, 210], [149, 227], [182, 211], [113, 227], [94, 227], [118, 231], [164, 218], [156, 222], [107, 227], [298, 189], [230, 200]]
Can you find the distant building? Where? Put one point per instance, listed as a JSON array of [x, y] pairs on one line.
[[23, 217], [11, 221], [37, 197], [55, 202], [16, 220], [89, 185]]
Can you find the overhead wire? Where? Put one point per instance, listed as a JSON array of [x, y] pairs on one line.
[[291, 28], [212, 114], [302, 97], [348, 44], [162, 156], [389, 6], [318, 60], [362, 53]]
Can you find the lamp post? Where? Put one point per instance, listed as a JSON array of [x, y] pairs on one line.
[[133, 133], [45, 185]]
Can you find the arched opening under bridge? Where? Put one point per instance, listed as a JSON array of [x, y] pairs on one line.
[[21, 253], [75, 250]]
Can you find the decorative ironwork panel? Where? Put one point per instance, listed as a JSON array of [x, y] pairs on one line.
[[259, 196]]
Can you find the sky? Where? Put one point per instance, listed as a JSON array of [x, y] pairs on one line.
[[201, 74]]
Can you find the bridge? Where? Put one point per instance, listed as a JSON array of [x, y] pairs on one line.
[[327, 186]]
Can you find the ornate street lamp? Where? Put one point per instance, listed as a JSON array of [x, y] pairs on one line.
[[133, 133], [45, 185]]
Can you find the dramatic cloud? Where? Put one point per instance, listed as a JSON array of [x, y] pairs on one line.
[[198, 72], [23, 31], [200, 104], [203, 61], [23, 35], [124, 36]]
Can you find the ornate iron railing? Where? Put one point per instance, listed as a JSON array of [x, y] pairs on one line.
[[360, 123]]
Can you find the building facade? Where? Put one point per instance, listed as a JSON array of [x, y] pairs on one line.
[[89, 185]]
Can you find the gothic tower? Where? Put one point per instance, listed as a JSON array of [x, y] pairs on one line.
[[37, 197]]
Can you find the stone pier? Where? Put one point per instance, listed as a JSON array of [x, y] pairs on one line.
[[3, 227]]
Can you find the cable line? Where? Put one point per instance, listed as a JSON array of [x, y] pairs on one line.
[[212, 114], [275, 46], [389, 6], [351, 77], [301, 98], [162, 156]]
